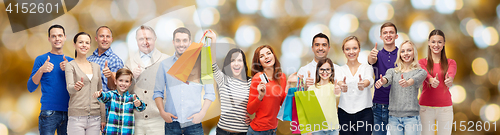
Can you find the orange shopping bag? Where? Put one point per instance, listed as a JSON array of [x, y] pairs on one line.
[[184, 65]]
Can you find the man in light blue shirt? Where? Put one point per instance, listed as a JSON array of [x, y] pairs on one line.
[[182, 110]]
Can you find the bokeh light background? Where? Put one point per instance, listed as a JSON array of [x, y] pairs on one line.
[[471, 28]]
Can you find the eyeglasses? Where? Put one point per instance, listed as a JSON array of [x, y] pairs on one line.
[[325, 70]]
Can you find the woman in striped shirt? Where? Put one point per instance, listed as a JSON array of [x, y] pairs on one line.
[[234, 87]]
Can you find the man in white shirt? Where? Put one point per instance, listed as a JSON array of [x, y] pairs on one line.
[[320, 47]]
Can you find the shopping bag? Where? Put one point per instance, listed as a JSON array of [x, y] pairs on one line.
[[327, 101], [309, 112], [285, 113], [295, 118], [184, 65], [207, 75]]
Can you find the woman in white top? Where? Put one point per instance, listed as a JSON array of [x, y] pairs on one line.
[[234, 86], [355, 80]]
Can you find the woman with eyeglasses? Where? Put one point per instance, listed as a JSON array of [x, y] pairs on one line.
[[355, 80]]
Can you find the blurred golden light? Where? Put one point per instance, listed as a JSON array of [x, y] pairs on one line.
[[342, 23], [353, 23], [459, 4], [458, 94], [490, 112], [27, 104], [471, 25], [493, 76], [247, 35], [480, 66], [482, 93], [17, 122], [380, 12], [459, 116], [311, 29], [166, 26], [490, 36], [248, 6], [206, 17], [99, 13], [476, 105], [11, 40], [419, 31], [3, 129], [38, 44], [401, 38]]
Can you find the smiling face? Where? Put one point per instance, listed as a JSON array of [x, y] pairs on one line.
[[123, 82], [351, 50], [145, 40], [104, 38], [407, 53], [266, 58], [237, 65], [181, 43], [320, 47], [436, 44], [325, 71], [57, 38], [388, 35], [82, 44]]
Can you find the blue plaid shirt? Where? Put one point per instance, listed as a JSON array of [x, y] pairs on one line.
[[114, 63], [121, 113]]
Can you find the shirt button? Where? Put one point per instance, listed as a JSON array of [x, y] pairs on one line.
[[146, 116], [145, 91], [145, 79], [145, 104]]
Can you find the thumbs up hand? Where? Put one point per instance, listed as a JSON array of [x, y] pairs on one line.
[[343, 85], [137, 71], [137, 102], [403, 82], [361, 84], [47, 66], [97, 94], [448, 81], [309, 80], [337, 88], [106, 71], [374, 52], [434, 81], [63, 63], [79, 85], [380, 82]]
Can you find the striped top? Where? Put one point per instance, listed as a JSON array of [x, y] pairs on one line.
[[233, 95]]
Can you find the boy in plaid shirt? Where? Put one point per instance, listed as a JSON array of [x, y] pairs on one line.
[[122, 104]]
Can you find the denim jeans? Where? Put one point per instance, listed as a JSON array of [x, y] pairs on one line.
[[409, 125], [174, 128], [220, 131], [326, 132], [359, 123], [49, 121], [380, 118], [267, 132]]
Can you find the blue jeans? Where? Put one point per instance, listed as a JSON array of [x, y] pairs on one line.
[[174, 128], [49, 121], [267, 132], [359, 123], [380, 118], [409, 125], [326, 132], [220, 131]]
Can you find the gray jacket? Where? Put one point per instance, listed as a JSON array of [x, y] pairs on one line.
[[403, 102]]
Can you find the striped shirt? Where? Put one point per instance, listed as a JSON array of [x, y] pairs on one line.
[[233, 95], [121, 113]]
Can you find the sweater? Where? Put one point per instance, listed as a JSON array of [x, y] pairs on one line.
[[266, 111], [439, 96], [54, 94], [403, 100]]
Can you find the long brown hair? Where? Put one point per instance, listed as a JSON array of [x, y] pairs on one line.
[[444, 60], [257, 67], [320, 63]]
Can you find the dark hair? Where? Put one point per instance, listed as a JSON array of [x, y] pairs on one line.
[[182, 30], [444, 60], [349, 38], [123, 71], [257, 67], [321, 35], [227, 64], [56, 26], [388, 24], [76, 38], [102, 27], [320, 63]]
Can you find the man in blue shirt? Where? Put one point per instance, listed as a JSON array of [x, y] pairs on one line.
[[55, 97], [107, 60], [182, 110]]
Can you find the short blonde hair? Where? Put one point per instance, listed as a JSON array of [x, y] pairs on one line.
[[399, 66]]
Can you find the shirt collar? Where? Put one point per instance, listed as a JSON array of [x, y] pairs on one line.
[[394, 52], [150, 54], [124, 93], [107, 52]]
